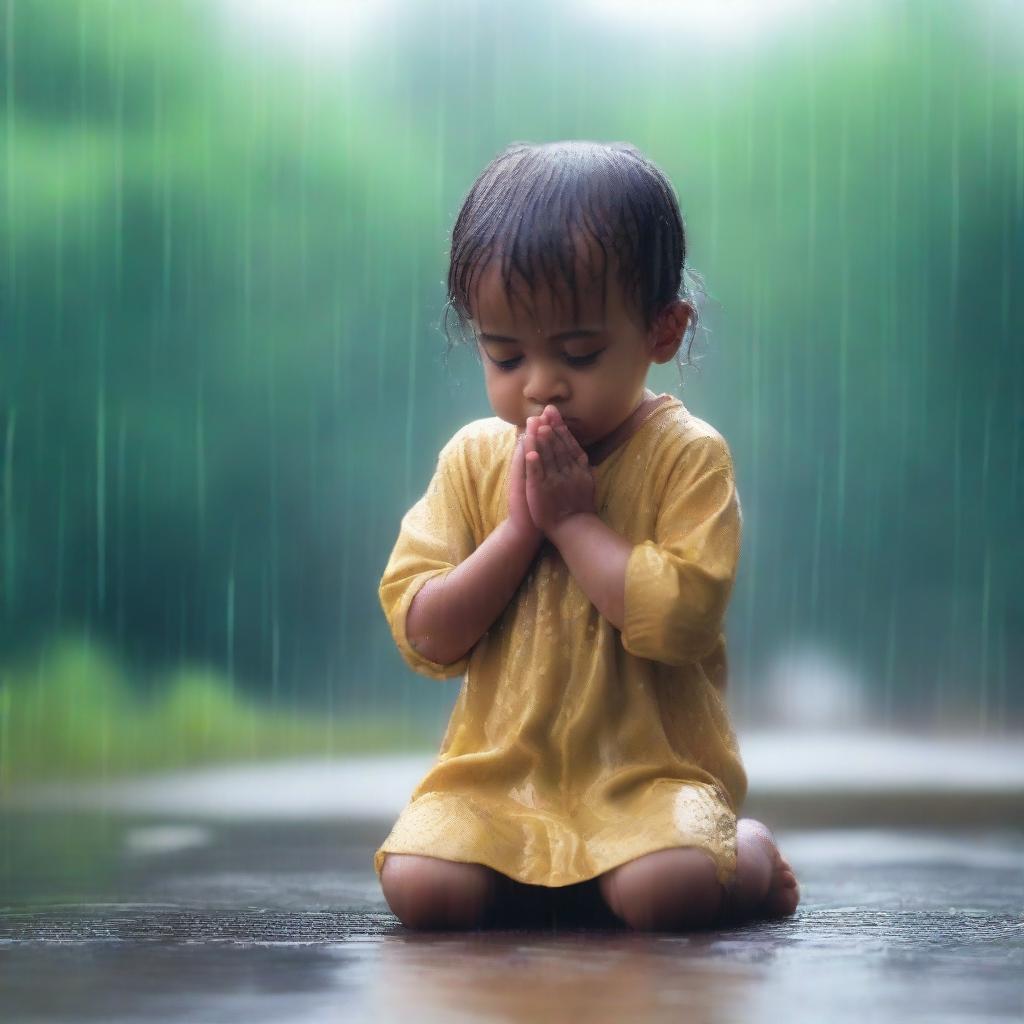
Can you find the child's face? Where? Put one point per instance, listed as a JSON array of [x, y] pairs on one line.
[[592, 369]]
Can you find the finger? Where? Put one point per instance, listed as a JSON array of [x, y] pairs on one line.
[[565, 454], [530, 436], [534, 464], [552, 418], [518, 452], [575, 448], [550, 450], [546, 448], [551, 415], [568, 437], [567, 449], [557, 423]]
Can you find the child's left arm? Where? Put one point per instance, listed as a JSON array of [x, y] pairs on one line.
[[668, 596]]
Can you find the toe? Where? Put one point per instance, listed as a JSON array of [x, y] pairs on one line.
[[783, 899]]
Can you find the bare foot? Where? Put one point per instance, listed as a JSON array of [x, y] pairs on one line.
[[783, 891], [765, 885]]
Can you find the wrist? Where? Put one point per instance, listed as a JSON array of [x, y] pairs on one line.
[[568, 526], [526, 537]]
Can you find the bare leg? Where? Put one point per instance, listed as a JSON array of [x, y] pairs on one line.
[[668, 890], [677, 888], [431, 893]]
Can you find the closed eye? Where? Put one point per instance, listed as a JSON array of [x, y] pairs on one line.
[[587, 360]]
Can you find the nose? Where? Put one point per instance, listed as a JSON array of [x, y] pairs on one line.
[[546, 384]]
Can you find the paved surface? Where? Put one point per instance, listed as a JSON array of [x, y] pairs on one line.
[[118, 918]]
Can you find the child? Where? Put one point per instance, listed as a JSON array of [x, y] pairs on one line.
[[572, 558]]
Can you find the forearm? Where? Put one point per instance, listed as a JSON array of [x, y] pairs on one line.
[[596, 556], [450, 613]]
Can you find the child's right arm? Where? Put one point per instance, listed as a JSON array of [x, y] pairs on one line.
[[451, 612], [441, 591]]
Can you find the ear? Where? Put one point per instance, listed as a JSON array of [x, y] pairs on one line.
[[668, 329]]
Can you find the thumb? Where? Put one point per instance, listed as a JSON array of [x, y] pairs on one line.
[[517, 452], [519, 460]]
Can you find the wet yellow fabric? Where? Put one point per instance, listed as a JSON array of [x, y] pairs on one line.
[[574, 747]]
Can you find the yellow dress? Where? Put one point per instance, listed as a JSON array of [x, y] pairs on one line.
[[573, 747]]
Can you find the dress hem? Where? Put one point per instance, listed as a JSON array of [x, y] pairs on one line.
[[696, 818], [725, 869]]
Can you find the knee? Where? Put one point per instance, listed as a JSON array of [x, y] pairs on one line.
[[667, 890], [431, 893]]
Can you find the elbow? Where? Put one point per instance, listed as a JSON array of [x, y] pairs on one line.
[[682, 632], [675, 603], [427, 666], [413, 626], [421, 624], [674, 645], [426, 655], [426, 646]]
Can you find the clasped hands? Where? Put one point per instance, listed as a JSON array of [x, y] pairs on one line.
[[550, 478]]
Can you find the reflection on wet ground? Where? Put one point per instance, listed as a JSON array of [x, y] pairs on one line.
[[117, 919]]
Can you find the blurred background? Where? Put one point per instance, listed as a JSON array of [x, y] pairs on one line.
[[223, 241]]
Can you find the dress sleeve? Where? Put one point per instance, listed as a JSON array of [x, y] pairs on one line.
[[678, 584], [435, 536]]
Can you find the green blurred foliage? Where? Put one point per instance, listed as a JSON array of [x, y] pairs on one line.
[[222, 249], [71, 712]]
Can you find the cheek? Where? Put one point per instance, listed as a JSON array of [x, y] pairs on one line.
[[501, 387]]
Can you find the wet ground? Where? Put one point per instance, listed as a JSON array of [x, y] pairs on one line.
[[113, 918]]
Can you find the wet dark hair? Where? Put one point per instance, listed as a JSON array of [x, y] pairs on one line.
[[534, 204]]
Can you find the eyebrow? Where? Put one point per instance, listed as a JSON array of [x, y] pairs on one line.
[[586, 332]]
